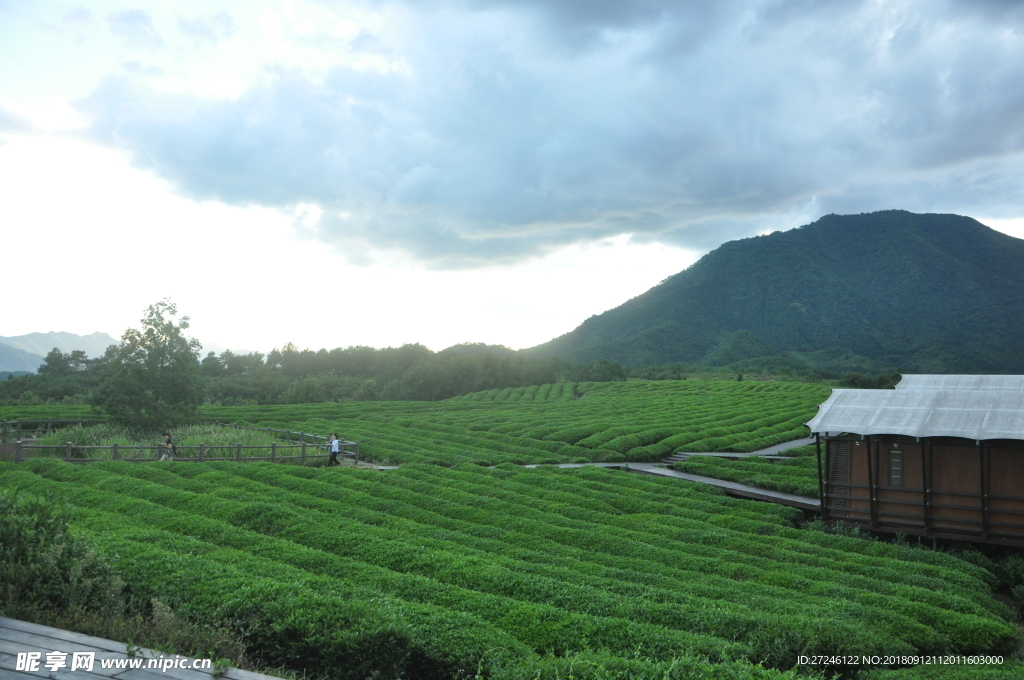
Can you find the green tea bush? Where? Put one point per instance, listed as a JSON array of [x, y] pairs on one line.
[[798, 476], [1010, 669], [43, 565], [509, 572], [471, 560], [604, 666]]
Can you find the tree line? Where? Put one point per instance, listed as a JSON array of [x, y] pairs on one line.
[[156, 371], [155, 378]]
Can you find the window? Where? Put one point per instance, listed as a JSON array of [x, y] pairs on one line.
[[895, 468]]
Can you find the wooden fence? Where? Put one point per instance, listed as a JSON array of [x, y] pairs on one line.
[[16, 430], [307, 447]]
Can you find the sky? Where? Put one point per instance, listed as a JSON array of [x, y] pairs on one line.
[[442, 171]]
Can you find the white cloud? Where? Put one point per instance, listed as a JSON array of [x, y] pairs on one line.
[[116, 240], [470, 133], [136, 28], [464, 170]]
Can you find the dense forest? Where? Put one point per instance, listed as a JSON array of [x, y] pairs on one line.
[[865, 293], [293, 376]]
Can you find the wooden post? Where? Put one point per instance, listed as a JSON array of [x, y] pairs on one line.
[[17, 451], [19, 429], [871, 484], [202, 453], [357, 453], [821, 482], [983, 483], [67, 452], [303, 450], [273, 452], [49, 424], [114, 452], [828, 475], [926, 492], [238, 452]]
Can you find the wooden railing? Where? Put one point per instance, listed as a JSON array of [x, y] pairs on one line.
[[274, 452], [307, 447], [295, 435], [15, 430]]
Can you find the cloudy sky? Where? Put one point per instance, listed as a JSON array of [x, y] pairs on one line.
[[441, 171]]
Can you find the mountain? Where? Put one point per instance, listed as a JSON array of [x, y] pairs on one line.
[[14, 359], [477, 348], [93, 345], [219, 349], [870, 292]]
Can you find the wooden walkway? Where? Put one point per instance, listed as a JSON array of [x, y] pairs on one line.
[[769, 452], [20, 637], [732, 488]]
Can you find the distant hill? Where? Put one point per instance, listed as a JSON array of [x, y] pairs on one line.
[[477, 348], [13, 359], [94, 345], [870, 292], [219, 349]]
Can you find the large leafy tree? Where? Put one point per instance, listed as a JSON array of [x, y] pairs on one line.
[[152, 379]]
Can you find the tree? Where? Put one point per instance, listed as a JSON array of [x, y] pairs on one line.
[[58, 364], [211, 366], [602, 370], [152, 379]]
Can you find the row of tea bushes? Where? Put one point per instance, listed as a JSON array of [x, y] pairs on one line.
[[609, 422], [455, 563], [798, 475]]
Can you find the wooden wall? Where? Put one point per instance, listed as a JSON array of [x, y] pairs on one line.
[[949, 487]]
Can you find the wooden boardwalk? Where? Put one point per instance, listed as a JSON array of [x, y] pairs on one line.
[[769, 452], [732, 488], [20, 637]]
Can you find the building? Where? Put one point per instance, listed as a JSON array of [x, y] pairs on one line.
[[940, 456]]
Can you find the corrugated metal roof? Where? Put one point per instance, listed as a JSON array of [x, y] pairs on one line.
[[971, 414], [962, 382]]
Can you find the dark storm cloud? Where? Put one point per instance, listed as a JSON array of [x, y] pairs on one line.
[[523, 126]]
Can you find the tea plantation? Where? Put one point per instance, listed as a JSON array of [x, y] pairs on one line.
[[433, 572], [449, 568], [561, 423], [798, 474]]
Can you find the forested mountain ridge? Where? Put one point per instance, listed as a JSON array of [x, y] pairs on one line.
[[94, 344], [925, 292], [14, 359]]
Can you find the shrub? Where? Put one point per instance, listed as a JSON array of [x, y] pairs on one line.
[[44, 566]]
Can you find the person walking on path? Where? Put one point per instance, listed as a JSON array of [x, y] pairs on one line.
[[335, 450], [168, 447]]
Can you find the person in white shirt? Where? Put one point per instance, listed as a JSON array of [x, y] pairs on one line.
[[335, 450]]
